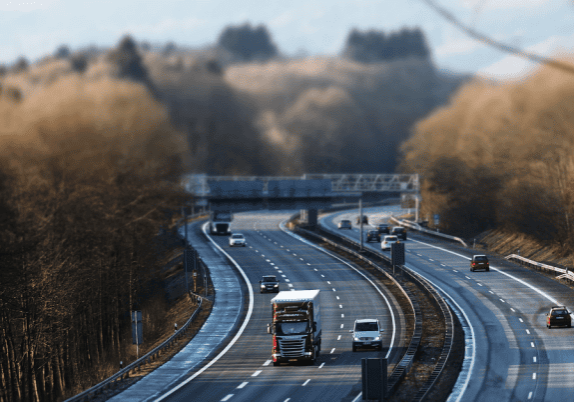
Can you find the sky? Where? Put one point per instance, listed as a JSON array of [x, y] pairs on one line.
[[298, 27]]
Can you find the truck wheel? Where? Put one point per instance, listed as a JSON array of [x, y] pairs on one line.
[[354, 348]]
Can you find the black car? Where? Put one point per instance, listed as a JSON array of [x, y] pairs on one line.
[[374, 236], [384, 228], [559, 316], [479, 261], [365, 220], [269, 283], [400, 232]]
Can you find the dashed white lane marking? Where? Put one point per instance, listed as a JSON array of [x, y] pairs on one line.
[[334, 290], [281, 246], [528, 332], [290, 285], [287, 249], [502, 300], [530, 395], [301, 259], [292, 290], [490, 291], [467, 277], [478, 284], [339, 338], [308, 264], [268, 260], [250, 246], [287, 280], [277, 268], [534, 359], [532, 344], [520, 319], [337, 297], [332, 350], [342, 315], [321, 366], [342, 325], [306, 382], [267, 363], [284, 276], [316, 269], [227, 397], [295, 254], [275, 242], [328, 282], [534, 376], [513, 310], [256, 373], [454, 270], [262, 255], [243, 384], [430, 259], [340, 306], [442, 265], [271, 263]]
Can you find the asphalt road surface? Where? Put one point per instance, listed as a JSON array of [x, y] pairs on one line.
[[245, 373], [513, 356]]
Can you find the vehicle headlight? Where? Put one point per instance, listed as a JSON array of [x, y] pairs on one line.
[[356, 339], [262, 285], [378, 338], [276, 285]]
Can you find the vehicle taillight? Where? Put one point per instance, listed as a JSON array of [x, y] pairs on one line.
[[474, 263], [274, 343]]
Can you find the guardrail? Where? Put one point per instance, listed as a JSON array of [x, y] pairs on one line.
[[565, 272], [406, 362], [416, 226], [110, 382]]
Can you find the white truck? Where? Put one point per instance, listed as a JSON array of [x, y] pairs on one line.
[[296, 326], [220, 222]]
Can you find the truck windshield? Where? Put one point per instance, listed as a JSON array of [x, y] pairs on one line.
[[292, 328]]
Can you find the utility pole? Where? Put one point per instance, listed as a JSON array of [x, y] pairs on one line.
[[361, 220]]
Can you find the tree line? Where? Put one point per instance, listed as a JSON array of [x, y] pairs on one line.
[[499, 155]]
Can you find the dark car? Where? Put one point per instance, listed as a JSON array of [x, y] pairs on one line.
[[384, 228], [559, 316], [479, 262], [365, 220], [373, 235], [345, 224], [269, 283], [400, 232]]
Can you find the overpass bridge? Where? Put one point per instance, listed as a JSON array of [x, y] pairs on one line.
[[307, 192]]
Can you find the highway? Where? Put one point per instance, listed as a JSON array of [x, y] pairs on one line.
[[245, 372], [513, 356]]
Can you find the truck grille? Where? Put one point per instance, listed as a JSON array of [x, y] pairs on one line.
[[291, 348]]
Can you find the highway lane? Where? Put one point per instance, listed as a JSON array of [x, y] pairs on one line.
[[517, 357], [245, 373]]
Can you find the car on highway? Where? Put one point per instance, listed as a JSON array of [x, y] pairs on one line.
[[373, 235], [558, 316], [367, 332], [387, 241], [400, 232], [237, 239], [365, 220], [269, 284], [345, 224], [479, 261], [384, 228]]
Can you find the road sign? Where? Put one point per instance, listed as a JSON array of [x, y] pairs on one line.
[[137, 327], [398, 254]]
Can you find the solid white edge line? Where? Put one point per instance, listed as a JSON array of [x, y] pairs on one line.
[[239, 332], [283, 228]]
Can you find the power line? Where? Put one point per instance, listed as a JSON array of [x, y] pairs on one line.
[[569, 68]]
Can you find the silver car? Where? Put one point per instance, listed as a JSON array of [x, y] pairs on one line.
[[387, 241], [367, 333], [236, 239]]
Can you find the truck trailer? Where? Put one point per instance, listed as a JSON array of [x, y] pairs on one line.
[[296, 326], [220, 222]]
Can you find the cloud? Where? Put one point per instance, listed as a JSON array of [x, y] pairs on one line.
[[504, 4], [516, 67], [460, 45], [27, 6], [164, 26]]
